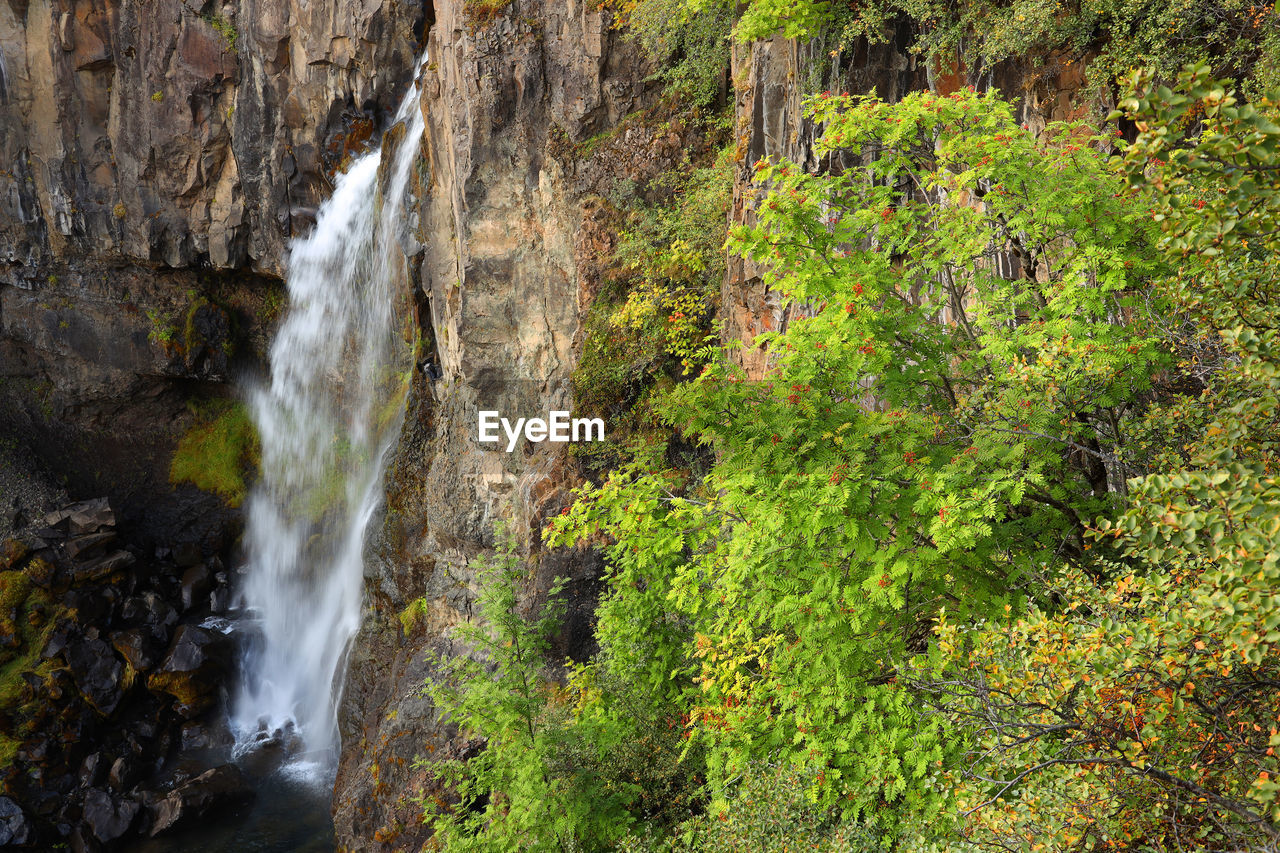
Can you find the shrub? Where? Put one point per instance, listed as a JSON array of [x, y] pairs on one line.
[[690, 44]]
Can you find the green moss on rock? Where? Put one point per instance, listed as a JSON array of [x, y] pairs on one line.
[[218, 454]]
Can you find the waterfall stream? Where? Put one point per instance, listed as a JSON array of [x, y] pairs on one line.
[[332, 409]]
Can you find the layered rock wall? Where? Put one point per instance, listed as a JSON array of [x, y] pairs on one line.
[[157, 155], [507, 266], [155, 158], [184, 134]]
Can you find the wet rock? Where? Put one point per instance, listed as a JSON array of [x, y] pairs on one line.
[[107, 816], [187, 554], [90, 516], [90, 545], [90, 606], [220, 788], [81, 840], [220, 600], [151, 612], [15, 828], [206, 735], [103, 567], [91, 770], [125, 773], [193, 670], [137, 648], [96, 671], [196, 584], [208, 339]]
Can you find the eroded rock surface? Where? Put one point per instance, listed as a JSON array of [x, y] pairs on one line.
[[182, 134], [509, 262]]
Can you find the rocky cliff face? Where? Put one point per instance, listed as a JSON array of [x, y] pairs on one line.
[[512, 228], [185, 135], [155, 158], [157, 155]]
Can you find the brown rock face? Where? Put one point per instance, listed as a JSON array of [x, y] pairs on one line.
[[155, 158], [164, 132], [510, 227]]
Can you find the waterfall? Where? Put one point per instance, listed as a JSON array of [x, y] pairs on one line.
[[340, 370]]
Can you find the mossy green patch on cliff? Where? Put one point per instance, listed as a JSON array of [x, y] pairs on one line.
[[218, 453], [26, 619], [225, 28], [14, 587], [193, 339], [481, 13], [162, 330], [410, 616]]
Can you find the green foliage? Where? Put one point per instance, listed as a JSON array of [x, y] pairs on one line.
[[416, 610], [651, 323], [770, 811], [225, 28], [508, 799], [951, 401], [163, 331], [986, 558], [761, 19], [1143, 713], [218, 452], [1124, 33], [676, 253], [1214, 523], [1238, 36], [560, 769], [689, 42], [274, 302]]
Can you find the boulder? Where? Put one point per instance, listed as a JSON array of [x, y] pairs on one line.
[[137, 647], [220, 788], [196, 585], [150, 612], [15, 828], [90, 545], [206, 735], [125, 773], [103, 567], [90, 516], [91, 769], [193, 670], [96, 671], [108, 817]]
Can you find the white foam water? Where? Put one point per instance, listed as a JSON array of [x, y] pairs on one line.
[[327, 418]]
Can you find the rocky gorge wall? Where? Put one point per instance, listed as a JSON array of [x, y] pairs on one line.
[[155, 159], [514, 225], [526, 133]]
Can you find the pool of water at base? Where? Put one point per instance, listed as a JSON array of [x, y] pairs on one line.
[[288, 816]]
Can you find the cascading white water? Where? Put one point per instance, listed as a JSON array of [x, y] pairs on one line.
[[333, 407]]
